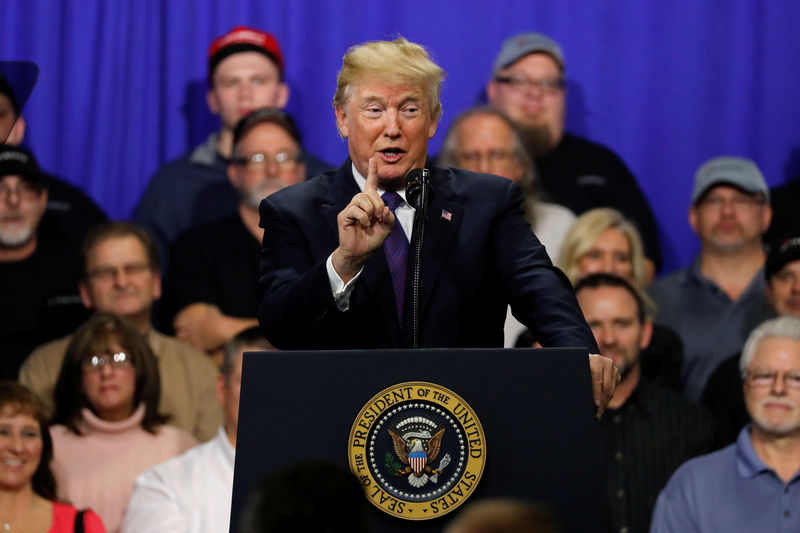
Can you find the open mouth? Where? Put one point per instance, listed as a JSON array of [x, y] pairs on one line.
[[392, 154]]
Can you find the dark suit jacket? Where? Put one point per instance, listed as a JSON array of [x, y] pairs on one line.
[[476, 260]]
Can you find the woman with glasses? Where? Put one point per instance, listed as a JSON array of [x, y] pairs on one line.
[[27, 486], [108, 428]]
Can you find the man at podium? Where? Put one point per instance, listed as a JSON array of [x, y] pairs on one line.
[[335, 264]]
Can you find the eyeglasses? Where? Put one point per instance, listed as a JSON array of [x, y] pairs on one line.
[[95, 363], [740, 202], [519, 83], [258, 161], [109, 273], [492, 156], [766, 378], [25, 190]]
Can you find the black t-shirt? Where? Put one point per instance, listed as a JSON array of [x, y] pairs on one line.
[[723, 394], [785, 222], [40, 299], [582, 175], [70, 210], [215, 263]]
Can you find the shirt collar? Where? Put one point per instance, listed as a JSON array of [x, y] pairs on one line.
[[748, 463], [227, 449], [206, 154], [361, 181]]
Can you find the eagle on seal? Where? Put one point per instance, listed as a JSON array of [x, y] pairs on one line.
[[416, 452]]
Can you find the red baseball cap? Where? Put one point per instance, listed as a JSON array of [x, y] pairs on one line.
[[244, 39]]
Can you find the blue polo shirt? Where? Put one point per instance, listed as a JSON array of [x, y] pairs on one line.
[[711, 325], [728, 490]]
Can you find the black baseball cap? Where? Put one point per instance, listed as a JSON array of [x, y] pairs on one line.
[[19, 161]]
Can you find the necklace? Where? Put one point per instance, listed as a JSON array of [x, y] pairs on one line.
[[7, 523]]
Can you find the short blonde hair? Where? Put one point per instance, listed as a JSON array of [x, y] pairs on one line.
[[587, 229], [398, 61]]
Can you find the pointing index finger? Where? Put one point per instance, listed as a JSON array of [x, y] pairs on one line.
[[372, 177]]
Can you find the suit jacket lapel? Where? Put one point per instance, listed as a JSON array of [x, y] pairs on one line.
[[341, 188]]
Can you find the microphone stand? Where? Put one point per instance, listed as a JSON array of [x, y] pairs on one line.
[[418, 194]]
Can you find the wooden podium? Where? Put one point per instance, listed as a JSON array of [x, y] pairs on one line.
[[535, 406]]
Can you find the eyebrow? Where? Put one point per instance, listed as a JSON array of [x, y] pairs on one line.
[[408, 97]]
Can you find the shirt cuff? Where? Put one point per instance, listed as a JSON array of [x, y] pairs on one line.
[[341, 290]]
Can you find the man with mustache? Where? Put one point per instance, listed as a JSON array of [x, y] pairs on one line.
[[752, 485], [211, 286], [720, 297], [648, 431]]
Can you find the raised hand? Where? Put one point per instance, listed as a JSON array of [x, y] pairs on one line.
[[363, 226]]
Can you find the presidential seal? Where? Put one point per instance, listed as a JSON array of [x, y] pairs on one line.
[[418, 449]]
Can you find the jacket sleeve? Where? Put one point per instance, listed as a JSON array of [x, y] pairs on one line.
[[540, 295]]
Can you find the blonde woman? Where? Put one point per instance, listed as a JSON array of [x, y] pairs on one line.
[[603, 240]]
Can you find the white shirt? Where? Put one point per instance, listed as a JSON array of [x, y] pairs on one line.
[[404, 214], [190, 493], [552, 222]]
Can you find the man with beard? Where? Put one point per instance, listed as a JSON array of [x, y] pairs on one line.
[[39, 270], [720, 297], [528, 84], [648, 431], [211, 288], [752, 485]]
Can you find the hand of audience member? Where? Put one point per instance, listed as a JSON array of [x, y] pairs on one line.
[[363, 226], [605, 378], [205, 327]]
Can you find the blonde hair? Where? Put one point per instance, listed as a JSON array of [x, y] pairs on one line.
[[587, 229], [398, 61]]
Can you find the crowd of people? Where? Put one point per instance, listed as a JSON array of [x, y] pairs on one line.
[[122, 340]]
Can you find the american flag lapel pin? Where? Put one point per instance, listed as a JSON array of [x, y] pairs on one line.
[[447, 215]]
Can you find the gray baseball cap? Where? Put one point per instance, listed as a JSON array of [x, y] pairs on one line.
[[522, 44], [737, 171]]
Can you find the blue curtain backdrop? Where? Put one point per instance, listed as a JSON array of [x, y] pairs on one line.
[[666, 84]]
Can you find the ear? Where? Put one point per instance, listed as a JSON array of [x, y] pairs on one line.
[[647, 334], [693, 218], [213, 101], [432, 128], [491, 91], [221, 388], [770, 294], [86, 296], [767, 217], [282, 96], [156, 285], [341, 120], [231, 171], [17, 132]]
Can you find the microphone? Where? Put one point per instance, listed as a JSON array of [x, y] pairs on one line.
[[418, 191], [418, 195]]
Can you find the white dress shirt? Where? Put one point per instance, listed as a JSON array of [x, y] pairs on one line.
[[190, 493], [404, 214]]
